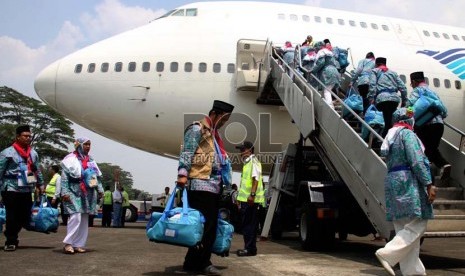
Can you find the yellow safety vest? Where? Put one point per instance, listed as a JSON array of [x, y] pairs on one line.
[[107, 198], [246, 182], [51, 187], [125, 199]]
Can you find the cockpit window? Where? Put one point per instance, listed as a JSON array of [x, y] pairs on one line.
[[191, 12], [178, 13], [166, 14]]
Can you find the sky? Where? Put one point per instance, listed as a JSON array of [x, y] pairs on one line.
[[35, 33]]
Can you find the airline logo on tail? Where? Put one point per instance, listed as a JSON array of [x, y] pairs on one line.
[[454, 59]]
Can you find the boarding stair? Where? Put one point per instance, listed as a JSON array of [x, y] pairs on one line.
[[357, 161]]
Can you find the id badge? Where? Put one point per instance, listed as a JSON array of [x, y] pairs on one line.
[[31, 178]]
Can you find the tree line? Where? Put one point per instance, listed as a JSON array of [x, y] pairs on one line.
[[51, 137]]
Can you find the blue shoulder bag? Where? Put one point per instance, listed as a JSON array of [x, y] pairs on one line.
[[2, 216], [427, 107], [177, 226], [44, 218], [375, 119], [226, 175], [224, 235], [354, 101]]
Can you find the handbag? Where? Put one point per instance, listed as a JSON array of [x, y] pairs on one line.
[[44, 218], [177, 226], [427, 107], [354, 101], [2, 216], [224, 235], [374, 119], [226, 169]]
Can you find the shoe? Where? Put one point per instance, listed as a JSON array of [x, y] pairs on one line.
[[9, 247], [245, 253], [211, 270], [385, 264], [444, 172], [68, 249], [79, 250]]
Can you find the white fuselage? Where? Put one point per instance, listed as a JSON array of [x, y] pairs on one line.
[[147, 110]]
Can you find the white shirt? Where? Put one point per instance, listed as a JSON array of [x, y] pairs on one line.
[[117, 197], [57, 187], [256, 171]]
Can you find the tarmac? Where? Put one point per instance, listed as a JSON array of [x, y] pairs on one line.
[[127, 251]]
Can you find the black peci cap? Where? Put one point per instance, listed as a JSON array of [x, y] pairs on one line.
[[245, 145], [222, 106], [417, 76], [380, 60], [22, 129]]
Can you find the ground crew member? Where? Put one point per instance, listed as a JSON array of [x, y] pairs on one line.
[[52, 190], [251, 195], [125, 205], [19, 176], [107, 207]]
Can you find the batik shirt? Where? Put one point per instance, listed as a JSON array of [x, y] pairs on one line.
[[385, 85], [407, 177], [192, 138], [325, 68], [362, 73], [9, 171]]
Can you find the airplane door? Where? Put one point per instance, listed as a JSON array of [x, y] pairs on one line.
[[406, 32], [249, 57]]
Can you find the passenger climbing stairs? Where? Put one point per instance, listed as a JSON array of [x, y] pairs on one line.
[[357, 161]]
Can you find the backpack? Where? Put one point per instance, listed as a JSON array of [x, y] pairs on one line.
[[341, 56]]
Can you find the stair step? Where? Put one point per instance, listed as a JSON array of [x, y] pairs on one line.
[[442, 204], [449, 193], [448, 212], [451, 217], [443, 224], [443, 234]]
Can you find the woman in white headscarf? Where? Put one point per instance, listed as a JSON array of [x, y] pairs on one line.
[[409, 195], [80, 189]]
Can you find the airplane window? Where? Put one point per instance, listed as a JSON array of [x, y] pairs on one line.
[[78, 68], [352, 23], [463, 38], [178, 13], [458, 85], [329, 20], [318, 19], [191, 12], [447, 83], [188, 67], [146, 66], [216, 67], [455, 37], [436, 34], [363, 24], [281, 16], [118, 66], [341, 21], [104, 67], [436, 82], [202, 67], [174, 67], [446, 36], [91, 68], [132, 66], [160, 66], [425, 32], [385, 27], [306, 18], [403, 78], [293, 17], [166, 14], [427, 80], [231, 68], [374, 26]]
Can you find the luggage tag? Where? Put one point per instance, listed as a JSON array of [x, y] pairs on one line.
[[31, 178]]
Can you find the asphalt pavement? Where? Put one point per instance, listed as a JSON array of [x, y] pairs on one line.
[[127, 251]]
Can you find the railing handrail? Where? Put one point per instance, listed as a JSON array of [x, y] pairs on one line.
[[371, 130]]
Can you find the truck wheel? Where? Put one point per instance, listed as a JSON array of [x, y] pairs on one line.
[[315, 233], [131, 214]]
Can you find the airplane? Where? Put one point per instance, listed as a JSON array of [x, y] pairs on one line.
[[144, 86]]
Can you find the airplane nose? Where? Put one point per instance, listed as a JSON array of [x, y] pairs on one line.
[[44, 84]]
